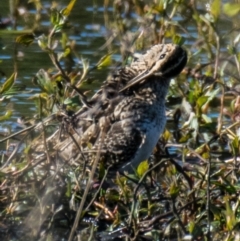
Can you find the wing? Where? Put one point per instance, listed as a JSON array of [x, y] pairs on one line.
[[118, 145]]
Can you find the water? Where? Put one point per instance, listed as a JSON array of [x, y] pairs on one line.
[[87, 31]]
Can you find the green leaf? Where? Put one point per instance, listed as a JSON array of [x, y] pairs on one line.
[[55, 16], [185, 138], [8, 83], [142, 168], [235, 146], [105, 61], [44, 81], [202, 100], [231, 9], [191, 226], [179, 40], [57, 19], [174, 190], [15, 89], [206, 118], [66, 11], [230, 217], [7, 115], [225, 186], [43, 42], [25, 39], [216, 8]]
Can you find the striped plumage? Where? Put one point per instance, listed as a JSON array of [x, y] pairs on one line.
[[128, 112]]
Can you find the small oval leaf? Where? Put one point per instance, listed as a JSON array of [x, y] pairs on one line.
[[25, 39], [8, 83], [105, 61], [202, 100], [142, 168], [231, 9], [66, 11]]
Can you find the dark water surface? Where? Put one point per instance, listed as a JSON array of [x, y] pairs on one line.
[[87, 31]]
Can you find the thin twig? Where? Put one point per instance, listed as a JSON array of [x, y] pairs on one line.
[[35, 126], [208, 201], [91, 176], [98, 190], [67, 80], [176, 215]]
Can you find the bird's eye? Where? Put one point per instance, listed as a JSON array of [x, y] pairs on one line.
[[162, 56]]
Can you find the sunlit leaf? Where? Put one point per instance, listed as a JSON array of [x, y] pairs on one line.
[[7, 115], [211, 94], [186, 108], [207, 119], [44, 81], [166, 135], [234, 145], [105, 61], [142, 168], [179, 40], [64, 54], [191, 226], [25, 39], [174, 190], [231, 9], [194, 125], [230, 217], [15, 89], [8, 83], [85, 64], [67, 51], [55, 16], [201, 101], [121, 181], [236, 40], [43, 42], [206, 155], [89, 145], [216, 8], [204, 151], [158, 8], [66, 11], [57, 19], [43, 96], [185, 138]]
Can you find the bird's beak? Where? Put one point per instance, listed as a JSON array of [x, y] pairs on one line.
[[137, 79]]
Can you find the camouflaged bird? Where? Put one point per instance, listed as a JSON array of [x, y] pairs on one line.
[[127, 115]]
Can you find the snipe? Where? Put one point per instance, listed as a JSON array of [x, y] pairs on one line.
[[127, 115]]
